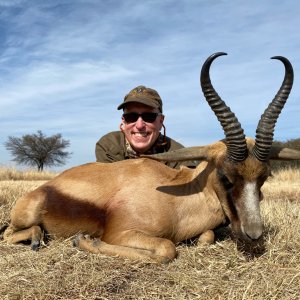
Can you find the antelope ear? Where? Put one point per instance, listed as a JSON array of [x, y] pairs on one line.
[[183, 154], [281, 153]]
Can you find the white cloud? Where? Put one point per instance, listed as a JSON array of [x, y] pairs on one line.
[[7, 3], [48, 79]]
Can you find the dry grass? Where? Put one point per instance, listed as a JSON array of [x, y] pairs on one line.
[[219, 271], [28, 175]]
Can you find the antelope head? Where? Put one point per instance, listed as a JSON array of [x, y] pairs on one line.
[[241, 164]]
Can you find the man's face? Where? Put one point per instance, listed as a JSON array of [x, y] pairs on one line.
[[141, 134]]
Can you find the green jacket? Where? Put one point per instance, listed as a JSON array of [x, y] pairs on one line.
[[113, 147]]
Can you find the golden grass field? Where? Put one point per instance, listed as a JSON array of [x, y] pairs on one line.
[[218, 271]]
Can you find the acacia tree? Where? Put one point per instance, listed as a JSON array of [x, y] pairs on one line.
[[38, 150]]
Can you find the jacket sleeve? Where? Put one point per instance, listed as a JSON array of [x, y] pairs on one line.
[[110, 148]]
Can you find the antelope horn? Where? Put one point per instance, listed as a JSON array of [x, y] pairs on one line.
[[235, 138], [183, 154], [266, 125]]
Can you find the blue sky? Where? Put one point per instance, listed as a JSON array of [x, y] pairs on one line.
[[66, 65]]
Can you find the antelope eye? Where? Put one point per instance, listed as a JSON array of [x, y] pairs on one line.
[[227, 184]]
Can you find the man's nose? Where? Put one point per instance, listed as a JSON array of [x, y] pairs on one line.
[[140, 123]]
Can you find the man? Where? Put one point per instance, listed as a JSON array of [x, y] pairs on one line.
[[139, 132]]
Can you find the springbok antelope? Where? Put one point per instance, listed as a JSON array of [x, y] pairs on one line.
[[140, 209]]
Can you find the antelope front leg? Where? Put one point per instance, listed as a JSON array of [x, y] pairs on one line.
[[34, 234], [131, 244]]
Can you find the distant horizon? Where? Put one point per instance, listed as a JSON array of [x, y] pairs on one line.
[[57, 169], [65, 66]]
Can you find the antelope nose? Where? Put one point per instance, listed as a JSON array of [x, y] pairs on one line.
[[254, 233]]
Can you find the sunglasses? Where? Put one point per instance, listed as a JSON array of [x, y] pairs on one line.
[[148, 117]]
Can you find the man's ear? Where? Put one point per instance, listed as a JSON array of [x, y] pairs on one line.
[[162, 118]]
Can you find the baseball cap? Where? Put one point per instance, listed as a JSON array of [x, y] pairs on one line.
[[144, 95]]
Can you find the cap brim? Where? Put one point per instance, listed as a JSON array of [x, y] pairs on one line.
[[142, 101]]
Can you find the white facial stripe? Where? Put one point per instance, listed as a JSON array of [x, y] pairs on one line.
[[251, 201]]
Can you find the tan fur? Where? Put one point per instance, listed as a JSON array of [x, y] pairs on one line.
[[137, 209]]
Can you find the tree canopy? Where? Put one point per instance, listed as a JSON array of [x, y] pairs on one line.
[[39, 150]]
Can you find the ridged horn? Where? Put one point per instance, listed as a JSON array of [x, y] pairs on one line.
[[266, 125], [235, 137]]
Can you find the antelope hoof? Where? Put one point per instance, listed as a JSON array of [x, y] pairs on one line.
[[76, 239], [35, 245], [96, 242]]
